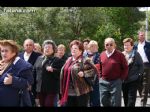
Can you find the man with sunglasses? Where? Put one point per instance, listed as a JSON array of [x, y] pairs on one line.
[[114, 71], [143, 47]]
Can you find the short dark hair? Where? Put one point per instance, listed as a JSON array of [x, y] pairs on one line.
[[86, 40]]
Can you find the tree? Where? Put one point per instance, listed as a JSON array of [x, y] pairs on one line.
[[64, 24]]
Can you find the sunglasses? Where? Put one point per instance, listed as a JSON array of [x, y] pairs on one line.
[[109, 44]]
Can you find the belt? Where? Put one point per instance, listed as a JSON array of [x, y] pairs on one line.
[[108, 79]]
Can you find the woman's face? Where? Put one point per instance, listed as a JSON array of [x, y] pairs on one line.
[[93, 48], [128, 47], [75, 51], [7, 54], [48, 50], [60, 52]]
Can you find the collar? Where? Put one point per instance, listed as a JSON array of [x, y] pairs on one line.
[[109, 54], [27, 54], [143, 43]]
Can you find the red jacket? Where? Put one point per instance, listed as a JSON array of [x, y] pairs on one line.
[[114, 67]]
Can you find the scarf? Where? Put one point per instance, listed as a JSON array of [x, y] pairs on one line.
[[66, 79], [4, 66], [129, 56]]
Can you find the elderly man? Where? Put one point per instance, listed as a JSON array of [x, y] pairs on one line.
[[30, 56], [114, 70], [143, 47]]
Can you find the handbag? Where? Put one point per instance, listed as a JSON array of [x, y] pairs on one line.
[[88, 79]]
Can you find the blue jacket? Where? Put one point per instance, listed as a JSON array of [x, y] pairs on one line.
[[146, 49], [22, 77]]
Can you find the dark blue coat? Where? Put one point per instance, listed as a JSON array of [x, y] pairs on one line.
[[146, 49], [22, 76]]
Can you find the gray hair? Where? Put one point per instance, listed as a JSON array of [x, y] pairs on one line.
[[28, 39], [110, 39], [52, 43]]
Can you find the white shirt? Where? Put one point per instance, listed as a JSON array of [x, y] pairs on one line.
[[142, 52], [109, 54], [26, 56]]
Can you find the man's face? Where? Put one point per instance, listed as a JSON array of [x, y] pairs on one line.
[[85, 44], [109, 46], [141, 36], [28, 46]]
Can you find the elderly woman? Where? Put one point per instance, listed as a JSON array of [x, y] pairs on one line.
[[93, 54], [47, 69], [73, 86], [135, 65], [61, 49], [13, 77], [37, 48]]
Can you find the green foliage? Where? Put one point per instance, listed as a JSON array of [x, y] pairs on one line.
[[64, 24]]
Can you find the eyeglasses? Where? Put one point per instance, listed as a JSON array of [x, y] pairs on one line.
[[109, 44]]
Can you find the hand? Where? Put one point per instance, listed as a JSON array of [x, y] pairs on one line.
[[8, 79], [29, 88], [49, 68], [81, 74]]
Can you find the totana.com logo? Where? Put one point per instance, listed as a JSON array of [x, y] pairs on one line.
[[16, 10]]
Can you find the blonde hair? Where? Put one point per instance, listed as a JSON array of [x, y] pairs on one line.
[[39, 48], [93, 42], [128, 40], [61, 46]]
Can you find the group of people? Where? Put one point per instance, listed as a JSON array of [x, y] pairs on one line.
[[47, 77]]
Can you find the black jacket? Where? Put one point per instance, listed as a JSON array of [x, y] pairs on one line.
[[135, 69], [48, 82]]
